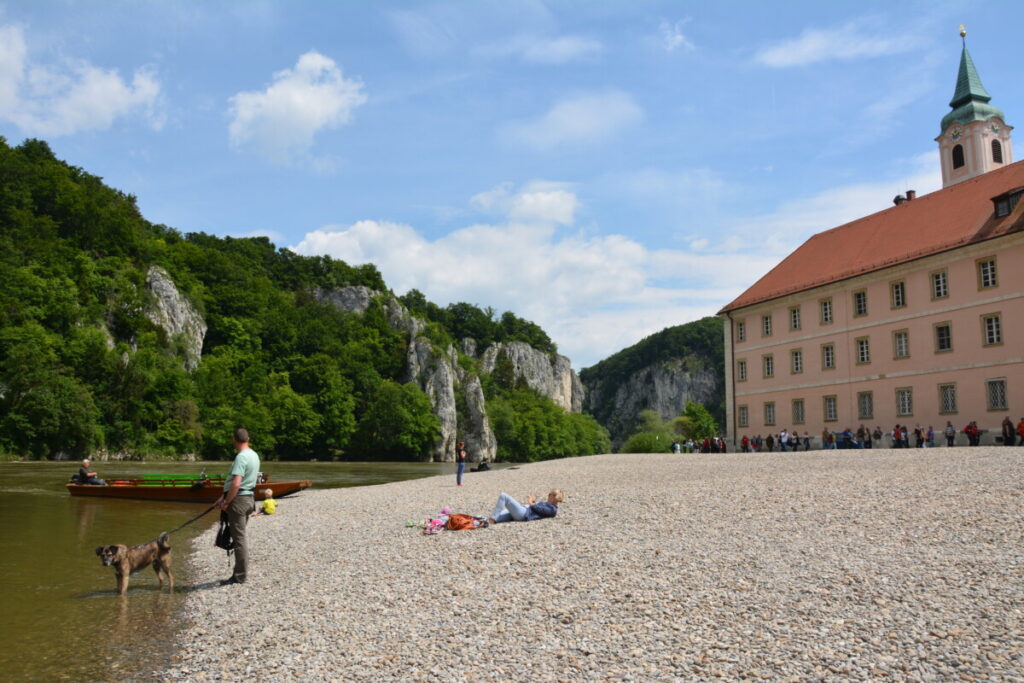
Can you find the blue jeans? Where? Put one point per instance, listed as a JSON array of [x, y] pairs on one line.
[[507, 510], [458, 473]]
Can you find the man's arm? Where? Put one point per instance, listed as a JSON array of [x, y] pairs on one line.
[[225, 500]]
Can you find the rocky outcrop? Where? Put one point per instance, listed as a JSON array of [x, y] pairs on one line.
[[455, 393], [549, 374], [172, 312], [664, 387]]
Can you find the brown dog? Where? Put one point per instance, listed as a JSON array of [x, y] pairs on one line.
[[126, 561]]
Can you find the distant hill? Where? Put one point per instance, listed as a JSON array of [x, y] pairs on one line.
[[661, 373]]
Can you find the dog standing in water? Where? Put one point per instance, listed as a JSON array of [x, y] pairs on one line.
[[126, 561]]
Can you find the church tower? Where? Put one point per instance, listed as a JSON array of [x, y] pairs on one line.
[[975, 138]]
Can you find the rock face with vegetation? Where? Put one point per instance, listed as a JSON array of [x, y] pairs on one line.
[[125, 338], [453, 385], [659, 373], [172, 312]]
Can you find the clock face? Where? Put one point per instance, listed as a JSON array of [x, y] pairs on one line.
[[995, 127], [956, 132]]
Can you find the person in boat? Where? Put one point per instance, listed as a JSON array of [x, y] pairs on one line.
[[87, 476], [507, 509], [238, 501]]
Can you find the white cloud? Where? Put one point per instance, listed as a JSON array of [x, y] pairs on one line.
[[281, 121], [55, 100], [671, 36], [853, 40], [578, 119], [592, 294], [562, 50]]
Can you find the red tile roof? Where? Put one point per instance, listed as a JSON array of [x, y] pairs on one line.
[[952, 217]]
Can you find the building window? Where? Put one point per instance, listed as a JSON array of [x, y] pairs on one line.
[[769, 413], [796, 358], [987, 273], [741, 331], [866, 405], [943, 337], [794, 318], [899, 294], [958, 156], [831, 410], [828, 356], [905, 402], [743, 416], [997, 151], [766, 325], [741, 371], [901, 344], [947, 399], [940, 285], [768, 363], [826, 311], [991, 329], [860, 303], [863, 351], [996, 394], [798, 411]]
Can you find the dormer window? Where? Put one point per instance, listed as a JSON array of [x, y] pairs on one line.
[[1006, 203], [997, 152], [958, 156]]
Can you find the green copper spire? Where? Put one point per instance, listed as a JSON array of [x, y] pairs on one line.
[[970, 99]]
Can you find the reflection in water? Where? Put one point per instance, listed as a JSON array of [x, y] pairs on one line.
[[63, 618]]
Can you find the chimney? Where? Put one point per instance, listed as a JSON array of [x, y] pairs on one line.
[[911, 195], [898, 199]]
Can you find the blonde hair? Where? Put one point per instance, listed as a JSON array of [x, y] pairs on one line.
[[269, 493], [559, 496]]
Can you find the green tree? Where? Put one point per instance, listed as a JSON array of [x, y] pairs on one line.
[[398, 424], [704, 426]]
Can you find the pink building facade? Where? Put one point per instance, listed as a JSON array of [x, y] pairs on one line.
[[911, 316], [886, 348]]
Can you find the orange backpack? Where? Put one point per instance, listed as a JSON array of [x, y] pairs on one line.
[[458, 521]]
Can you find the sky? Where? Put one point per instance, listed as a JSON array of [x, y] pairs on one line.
[[605, 169]]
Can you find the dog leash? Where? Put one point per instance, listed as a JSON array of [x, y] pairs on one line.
[[201, 514]]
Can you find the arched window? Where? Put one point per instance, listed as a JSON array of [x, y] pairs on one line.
[[997, 152], [958, 156]]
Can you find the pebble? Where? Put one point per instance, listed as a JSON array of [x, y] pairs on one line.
[[840, 565]]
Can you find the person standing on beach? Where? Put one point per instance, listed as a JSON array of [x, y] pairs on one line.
[[460, 462], [238, 501]]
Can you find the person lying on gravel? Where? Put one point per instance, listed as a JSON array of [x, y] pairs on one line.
[[508, 510]]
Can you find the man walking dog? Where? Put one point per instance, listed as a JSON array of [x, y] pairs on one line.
[[238, 501]]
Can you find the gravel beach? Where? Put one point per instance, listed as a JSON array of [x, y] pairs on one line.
[[838, 565]]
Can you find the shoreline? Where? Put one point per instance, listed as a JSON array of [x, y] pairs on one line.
[[855, 564]]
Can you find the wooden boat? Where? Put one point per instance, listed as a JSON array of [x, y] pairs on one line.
[[178, 487]]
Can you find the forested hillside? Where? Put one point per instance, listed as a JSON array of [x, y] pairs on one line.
[[84, 368], [660, 373]]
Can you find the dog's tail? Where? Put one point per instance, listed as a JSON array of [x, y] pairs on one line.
[[164, 541]]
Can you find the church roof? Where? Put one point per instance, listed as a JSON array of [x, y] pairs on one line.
[[947, 219], [970, 99]]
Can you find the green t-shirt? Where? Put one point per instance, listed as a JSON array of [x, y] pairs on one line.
[[247, 464]]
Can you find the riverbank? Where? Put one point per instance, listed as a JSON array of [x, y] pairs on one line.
[[841, 564]]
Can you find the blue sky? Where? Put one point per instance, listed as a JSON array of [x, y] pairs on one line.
[[606, 169]]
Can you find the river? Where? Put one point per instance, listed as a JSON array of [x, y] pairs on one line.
[[62, 617]]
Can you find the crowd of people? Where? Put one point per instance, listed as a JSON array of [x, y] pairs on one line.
[[900, 436]]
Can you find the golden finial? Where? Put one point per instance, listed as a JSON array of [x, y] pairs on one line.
[[963, 31]]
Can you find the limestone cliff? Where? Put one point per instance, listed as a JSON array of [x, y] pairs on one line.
[[172, 312], [455, 390], [549, 374], [660, 373]]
